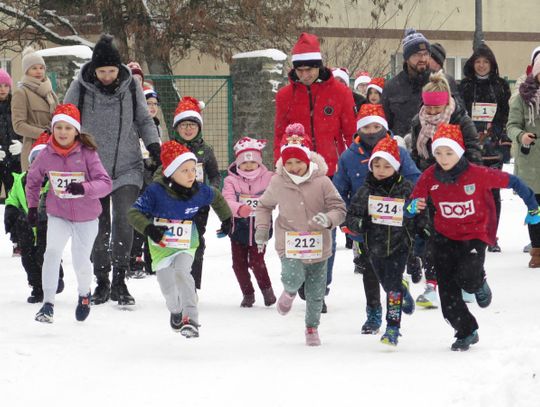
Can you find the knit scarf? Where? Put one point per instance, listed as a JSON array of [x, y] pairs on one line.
[[42, 88], [530, 93], [429, 124]]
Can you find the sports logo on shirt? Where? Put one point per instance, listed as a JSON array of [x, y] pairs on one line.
[[457, 210], [434, 187], [189, 211], [469, 189]]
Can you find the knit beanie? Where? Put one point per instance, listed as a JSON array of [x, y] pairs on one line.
[[371, 114], [307, 52], [388, 149], [137, 71], [414, 42], [105, 53], [39, 144], [295, 146], [448, 135], [249, 149], [173, 155], [438, 53], [30, 58], [149, 92], [68, 113], [5, 79], [190, 109]]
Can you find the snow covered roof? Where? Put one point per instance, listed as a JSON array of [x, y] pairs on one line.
[[79, 51], [275, 54]]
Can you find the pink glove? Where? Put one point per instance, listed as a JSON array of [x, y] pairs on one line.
[[244, 211]]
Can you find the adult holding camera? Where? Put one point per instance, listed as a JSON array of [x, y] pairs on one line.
[[523, 127]]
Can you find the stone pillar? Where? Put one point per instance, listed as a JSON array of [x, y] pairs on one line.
[[256, 77]]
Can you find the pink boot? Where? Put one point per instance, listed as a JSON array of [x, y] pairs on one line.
[[285, 301], [312, 337]]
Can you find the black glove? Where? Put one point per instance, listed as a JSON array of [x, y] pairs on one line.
[[155, 153], [414, 268], [155, 232], [225, 229], [75, 188], [32, 217]]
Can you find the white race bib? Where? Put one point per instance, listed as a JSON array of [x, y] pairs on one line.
[[250, 200], [303, 245], [60, 180], [386, 211], [178, 235], [199, 175], [483, 112]]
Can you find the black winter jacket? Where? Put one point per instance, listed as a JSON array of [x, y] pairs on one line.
[[205, 155], [7, 134]]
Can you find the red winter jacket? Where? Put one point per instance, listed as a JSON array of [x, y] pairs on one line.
[[332, 124]]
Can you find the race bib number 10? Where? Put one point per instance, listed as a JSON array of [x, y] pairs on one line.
[[386, 211], [60, 180], [178, 234], [303, 245]]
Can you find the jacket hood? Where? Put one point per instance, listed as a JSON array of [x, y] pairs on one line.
[[86, 75], [316, 158], [482, 51], [325, 75]]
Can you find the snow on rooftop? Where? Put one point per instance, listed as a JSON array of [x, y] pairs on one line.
[[275, 54], [79, 51]]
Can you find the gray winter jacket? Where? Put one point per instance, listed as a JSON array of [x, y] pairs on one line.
[[109, 118]]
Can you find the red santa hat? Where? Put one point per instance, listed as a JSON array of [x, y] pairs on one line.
[[173, 155], [377, 84], [362, 77], [40, 143], [371, 114], [342, 73], [307, 51], [295, 146], [448, 135], [249, 149], [67, 113], [388, 149], [188, 108]]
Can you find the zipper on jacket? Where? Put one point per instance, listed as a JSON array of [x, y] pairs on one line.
[[311, 108], [113, 176]]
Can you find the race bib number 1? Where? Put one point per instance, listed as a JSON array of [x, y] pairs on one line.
[[250, 200], [303, 245], [483, 112], [386, 211], [60, 180], [178, 234]]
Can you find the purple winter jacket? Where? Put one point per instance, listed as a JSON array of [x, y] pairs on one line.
[[97, 183]]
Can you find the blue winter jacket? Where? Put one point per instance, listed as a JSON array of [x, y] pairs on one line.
[[353, 169]]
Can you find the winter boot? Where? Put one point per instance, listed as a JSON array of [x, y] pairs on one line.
[[527, 248], [535, 258], [45, 314], [483, 295], [312, 337], [467, 297], [463, 344], [284, 303], [189, 328], [136, 268], [269, 296], [429, 298], [414, 268], [119, 291], [83, 307], [408, 301], [374, 320], [16, 250], [103, 290], [248, 301], [35, 296], [176, 321], [391, 335]]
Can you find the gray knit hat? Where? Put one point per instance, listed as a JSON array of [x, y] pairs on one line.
[[438, 53], [413, 42], [29, 58]]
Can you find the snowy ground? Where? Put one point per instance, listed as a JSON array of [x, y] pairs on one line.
[[255, 357]]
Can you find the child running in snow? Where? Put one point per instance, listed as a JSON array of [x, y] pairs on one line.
[[242, 188], [376, 213], [165, 213], [78, 181], [309, 208], [465, 223]]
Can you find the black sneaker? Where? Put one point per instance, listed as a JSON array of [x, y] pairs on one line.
[[83, 307], [35, 296], [189, 328], [414, 268], [45, 314], [463, 344], [102, 292], [176, 322], [120, 293], [483, 295], [494, 249]]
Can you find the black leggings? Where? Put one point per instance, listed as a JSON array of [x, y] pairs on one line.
[[534, 230]]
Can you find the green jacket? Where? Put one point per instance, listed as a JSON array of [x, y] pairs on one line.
[[17, 196]]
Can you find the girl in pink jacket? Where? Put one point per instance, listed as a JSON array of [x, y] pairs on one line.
[[247, 180], [309, 208], [78, 180]]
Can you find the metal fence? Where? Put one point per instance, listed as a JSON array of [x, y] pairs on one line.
[[215, 92]]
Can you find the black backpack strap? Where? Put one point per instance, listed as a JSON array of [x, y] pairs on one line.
[[133, 90], [82, 92]]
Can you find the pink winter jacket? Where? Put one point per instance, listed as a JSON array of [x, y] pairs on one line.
[[298, 204], [97, 183]]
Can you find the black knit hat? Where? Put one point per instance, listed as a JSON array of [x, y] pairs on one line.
[[438, 53], [105, 53]]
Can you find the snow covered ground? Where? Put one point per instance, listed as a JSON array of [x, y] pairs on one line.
[[255, 357]]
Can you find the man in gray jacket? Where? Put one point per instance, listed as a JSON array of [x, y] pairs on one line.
[[113, 110]]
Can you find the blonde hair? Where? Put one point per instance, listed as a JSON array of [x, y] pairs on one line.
[[437, 83]]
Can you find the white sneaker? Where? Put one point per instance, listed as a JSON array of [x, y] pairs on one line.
[[429, 298]]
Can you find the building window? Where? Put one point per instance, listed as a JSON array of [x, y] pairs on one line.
[[5, 64]]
